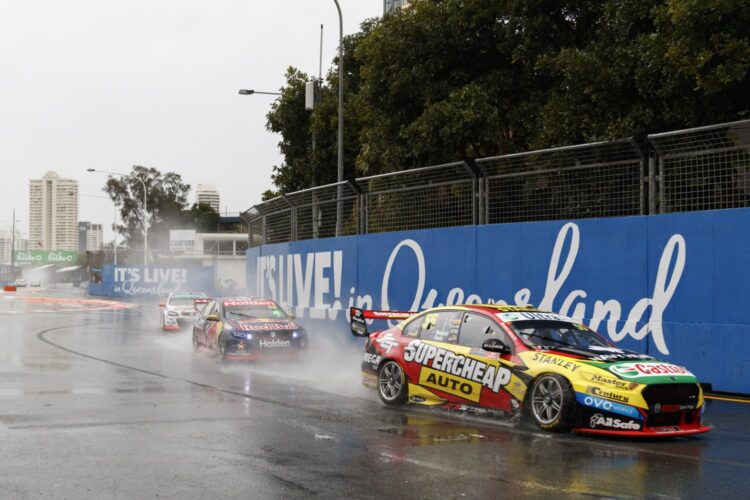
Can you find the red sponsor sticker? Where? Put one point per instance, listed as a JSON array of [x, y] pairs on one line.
[[661, 369], [237, 303]]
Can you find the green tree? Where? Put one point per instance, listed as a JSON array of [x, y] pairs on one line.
[[651, 66], [202, 217], [166, 197], [452, 80], [306, 166], [449, 80]]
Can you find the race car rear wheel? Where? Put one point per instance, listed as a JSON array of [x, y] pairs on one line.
[[392, 386], [552, 403]]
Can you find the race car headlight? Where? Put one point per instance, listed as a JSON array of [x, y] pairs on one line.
[[249, 336], [172, 313], [298, 333]]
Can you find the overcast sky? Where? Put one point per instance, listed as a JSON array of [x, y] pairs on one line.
[[107, 84]]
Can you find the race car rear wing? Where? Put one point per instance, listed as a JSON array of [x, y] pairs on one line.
[[359, 319], [199, 303]]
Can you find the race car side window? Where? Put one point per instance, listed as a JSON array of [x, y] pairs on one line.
[[476, 328], [209, 309], [441, 326], [412, 328]]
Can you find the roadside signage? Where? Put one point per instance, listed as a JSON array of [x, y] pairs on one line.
[[40, 257], [182, 239]]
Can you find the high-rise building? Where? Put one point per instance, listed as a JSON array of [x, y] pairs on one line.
[[7, 241], [94, 237], [90, 236], [208, 194], [393, 5], [53, 213]]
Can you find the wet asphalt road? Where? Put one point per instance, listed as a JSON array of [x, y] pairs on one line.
[[98, 403]]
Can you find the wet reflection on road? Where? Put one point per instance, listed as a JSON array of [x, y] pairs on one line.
[[99, 402]]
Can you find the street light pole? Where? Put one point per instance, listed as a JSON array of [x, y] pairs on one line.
[[340, 170], [145, 209], [13, 241], [114, 245]]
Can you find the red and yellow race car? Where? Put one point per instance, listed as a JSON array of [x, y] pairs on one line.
[[516, 360]]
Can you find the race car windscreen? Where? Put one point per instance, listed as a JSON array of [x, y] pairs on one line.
[[544, 333], [259, 310]]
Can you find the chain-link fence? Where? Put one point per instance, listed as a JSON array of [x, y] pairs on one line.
[[696, 169], [592, 180], [438, 196], [705, 168]]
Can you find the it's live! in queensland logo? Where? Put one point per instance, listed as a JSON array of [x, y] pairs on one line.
[[134, 281]]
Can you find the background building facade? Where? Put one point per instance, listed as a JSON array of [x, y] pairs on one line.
[[7, 241], [392, 5], [53, 213], [90, 236], [94, 237], [208, 194]]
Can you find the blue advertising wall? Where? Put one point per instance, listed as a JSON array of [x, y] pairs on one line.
[[151, 281], [675, 286]]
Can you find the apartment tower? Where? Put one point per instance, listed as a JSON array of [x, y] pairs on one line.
[[208, 194], [53, 213]]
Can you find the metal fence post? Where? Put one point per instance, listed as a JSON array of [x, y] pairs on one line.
[[263, 231], [364, 214], [292, 218], [652, 185], [315, 223], [660, 185]]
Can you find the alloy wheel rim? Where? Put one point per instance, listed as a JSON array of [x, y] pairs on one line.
[[391, 381], [546, 401]]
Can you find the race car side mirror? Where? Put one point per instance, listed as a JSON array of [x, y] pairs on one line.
[[212, 317], [161, 305], [495, 345]]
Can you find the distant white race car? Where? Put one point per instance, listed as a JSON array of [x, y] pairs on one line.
[[179, 309]]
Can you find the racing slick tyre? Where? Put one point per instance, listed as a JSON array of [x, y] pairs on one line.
[[222, 348], [551, 403], [392, 387], [196, 342]]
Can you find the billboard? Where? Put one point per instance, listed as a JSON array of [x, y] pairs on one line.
[[675, 286], [182, 240], [151, 281], [40, 257]]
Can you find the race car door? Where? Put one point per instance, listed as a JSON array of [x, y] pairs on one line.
[[207, 326], [500, 387], [429, 352]]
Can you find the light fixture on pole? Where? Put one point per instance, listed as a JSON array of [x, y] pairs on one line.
[[251, 92], [145, 211], [13, 241]]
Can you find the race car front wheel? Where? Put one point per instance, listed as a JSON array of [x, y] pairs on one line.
[[392, 386], [552, 403]]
